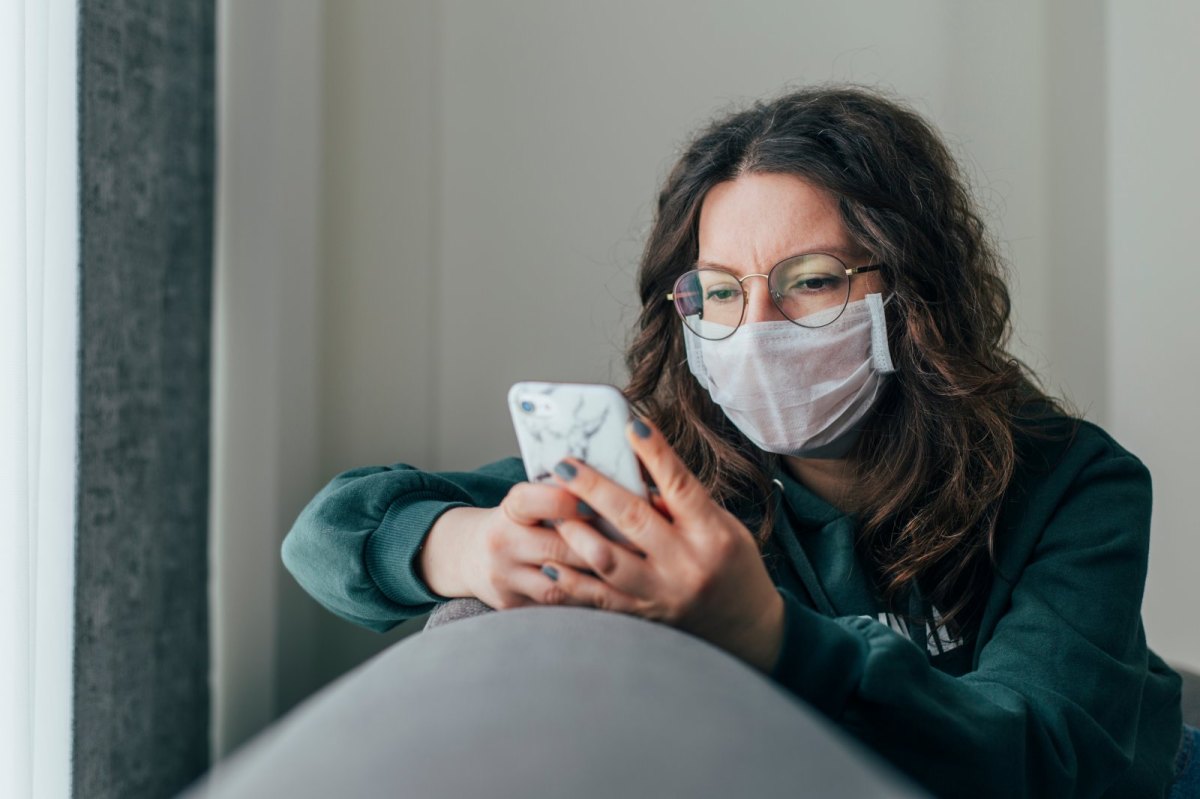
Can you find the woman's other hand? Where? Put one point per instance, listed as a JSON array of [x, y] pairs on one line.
[[701, 570], [504, 547]]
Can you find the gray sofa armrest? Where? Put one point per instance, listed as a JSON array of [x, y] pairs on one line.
[[1191, 695], [553, 701]]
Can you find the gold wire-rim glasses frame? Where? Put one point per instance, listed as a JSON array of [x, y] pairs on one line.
[[850, 271]]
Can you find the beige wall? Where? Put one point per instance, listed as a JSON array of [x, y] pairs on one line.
[[1153, 339], [266, 453], [466, 205]]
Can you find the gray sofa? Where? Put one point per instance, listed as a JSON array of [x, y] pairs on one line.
[[1191, 695], [465, 608], [551, 702]]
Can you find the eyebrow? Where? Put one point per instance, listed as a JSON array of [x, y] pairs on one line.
[[832, 249]]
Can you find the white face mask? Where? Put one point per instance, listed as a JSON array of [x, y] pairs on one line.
[[795, 390]]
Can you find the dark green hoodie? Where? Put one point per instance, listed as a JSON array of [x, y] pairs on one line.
[[1055, 694]]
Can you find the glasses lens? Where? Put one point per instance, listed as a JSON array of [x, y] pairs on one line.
[[811, 290], [710, 302]]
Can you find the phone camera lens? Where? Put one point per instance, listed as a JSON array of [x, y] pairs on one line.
[[527, 406]]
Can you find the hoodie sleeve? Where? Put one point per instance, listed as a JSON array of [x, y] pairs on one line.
[[1052, 707], [353, 546]]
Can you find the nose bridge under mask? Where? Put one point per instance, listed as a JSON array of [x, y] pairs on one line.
[[821, 339]]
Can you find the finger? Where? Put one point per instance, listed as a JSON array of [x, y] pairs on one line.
[[539, 546], [682, 493], [633, 516], [580, 588], [612, 563], [532, 503], [532, 586]]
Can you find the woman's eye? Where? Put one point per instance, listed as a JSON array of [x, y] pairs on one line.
[[721, 294], [811, 284]]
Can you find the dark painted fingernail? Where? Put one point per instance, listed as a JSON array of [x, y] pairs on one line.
[[550, 572], [585, 509], [640, 428], [564, 470]]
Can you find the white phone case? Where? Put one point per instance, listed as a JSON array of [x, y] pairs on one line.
[[584, 420]]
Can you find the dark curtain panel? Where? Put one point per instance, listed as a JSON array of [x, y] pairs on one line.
[[146, 148]]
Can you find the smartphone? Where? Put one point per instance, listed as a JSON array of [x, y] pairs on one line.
[[584, 420]]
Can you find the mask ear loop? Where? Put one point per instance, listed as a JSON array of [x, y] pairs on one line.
[[695, 356], [881, 355]]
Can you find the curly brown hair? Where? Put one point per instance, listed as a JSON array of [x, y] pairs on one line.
[[938, 454]]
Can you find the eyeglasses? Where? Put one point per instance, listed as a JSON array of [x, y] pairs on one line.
[[811, 290]]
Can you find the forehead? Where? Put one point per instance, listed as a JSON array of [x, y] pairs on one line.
[[751, 223]]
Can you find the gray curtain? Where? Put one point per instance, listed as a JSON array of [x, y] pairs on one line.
[[146, 142]]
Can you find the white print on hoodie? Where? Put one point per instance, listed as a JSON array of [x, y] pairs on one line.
[[938, 641]]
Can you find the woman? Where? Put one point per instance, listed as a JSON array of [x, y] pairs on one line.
[[859, 491]]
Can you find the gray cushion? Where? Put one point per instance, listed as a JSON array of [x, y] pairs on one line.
[[553, 701], [1191, 695], [455, 609]]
